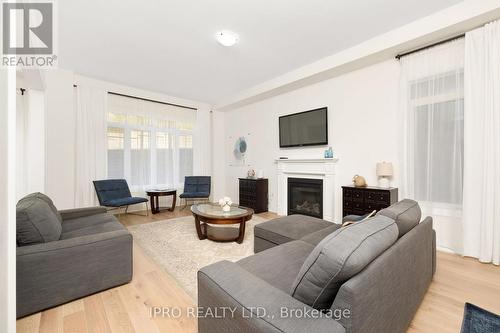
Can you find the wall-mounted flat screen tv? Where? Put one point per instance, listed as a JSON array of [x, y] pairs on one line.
[[308, 128]]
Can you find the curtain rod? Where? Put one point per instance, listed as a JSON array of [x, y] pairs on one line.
[[149, 100], [399, 56]]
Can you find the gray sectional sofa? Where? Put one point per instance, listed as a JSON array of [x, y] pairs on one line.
[[309, 275], [68, 254]]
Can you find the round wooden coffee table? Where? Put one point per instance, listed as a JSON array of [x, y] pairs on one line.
[[207, 217], [154, 196]]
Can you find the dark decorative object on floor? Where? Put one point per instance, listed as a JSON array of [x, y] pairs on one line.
[[477, 320]]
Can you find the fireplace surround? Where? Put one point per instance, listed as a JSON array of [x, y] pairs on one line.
[[311, 168]]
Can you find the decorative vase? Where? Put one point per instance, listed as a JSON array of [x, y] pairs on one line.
[[251, 173], [330, 152], [359, 181]]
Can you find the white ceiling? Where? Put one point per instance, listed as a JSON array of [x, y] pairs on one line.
[[168, 46]]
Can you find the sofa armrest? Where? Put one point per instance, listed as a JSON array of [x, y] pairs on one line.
[[53, 273], [253, 305], [65, 244], [69, 214], [385, 295]]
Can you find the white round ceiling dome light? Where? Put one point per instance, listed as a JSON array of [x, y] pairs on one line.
[[227, 38]]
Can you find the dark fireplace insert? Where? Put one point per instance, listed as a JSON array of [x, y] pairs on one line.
[[305, 196]]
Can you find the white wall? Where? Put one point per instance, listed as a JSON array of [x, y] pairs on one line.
[[7, 205], [218, 155], [362, 125], [362, 129]]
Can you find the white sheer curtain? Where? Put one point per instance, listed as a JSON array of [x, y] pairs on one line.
[[203, 143], [431, 90], [30, 143], [90, 106], [481, 216], [21, 146]]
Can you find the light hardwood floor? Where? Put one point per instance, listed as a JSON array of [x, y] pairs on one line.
[[127, 308]]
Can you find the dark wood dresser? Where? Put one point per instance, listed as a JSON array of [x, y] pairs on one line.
[[254, 194], [363, 200]]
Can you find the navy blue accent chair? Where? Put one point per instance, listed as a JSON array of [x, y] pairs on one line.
[[116, 193], [196, 187]]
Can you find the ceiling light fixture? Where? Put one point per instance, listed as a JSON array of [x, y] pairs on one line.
[[227, 38]]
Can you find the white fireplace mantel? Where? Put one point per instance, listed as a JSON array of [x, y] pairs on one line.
[[320, 168]]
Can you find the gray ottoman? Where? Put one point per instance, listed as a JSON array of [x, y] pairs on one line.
[[286, 229]]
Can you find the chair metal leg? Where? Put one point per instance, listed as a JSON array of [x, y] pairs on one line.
[[147, 211], [185, 204], [196, 200]]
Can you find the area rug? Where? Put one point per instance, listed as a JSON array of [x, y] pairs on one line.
[[478, 320], [174, 245]]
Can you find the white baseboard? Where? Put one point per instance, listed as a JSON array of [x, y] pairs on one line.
[[445, 249]]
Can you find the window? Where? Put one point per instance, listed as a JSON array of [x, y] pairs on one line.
[[115, 152], [140, 158], [164, 157], [149, 144], [432, 128], [438, 104]]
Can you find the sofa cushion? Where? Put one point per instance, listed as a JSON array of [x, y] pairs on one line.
[[83, 222], [199, 185], [279, 265], [124, 201], [406, 213], [289, 228], [195, 195], [260, 244], [37, 220], [48, 200], [317, 236], [99, 228], [339, 256], [110, 189]]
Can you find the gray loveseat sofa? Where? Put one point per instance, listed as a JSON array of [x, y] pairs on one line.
[[68, 254], [314, 276]]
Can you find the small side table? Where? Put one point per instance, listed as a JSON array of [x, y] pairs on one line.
[[154, 196]]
